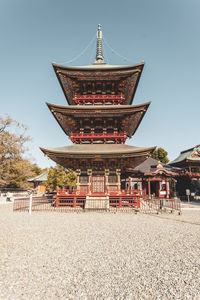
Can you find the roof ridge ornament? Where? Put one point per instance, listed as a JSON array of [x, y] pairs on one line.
[[99, 52]]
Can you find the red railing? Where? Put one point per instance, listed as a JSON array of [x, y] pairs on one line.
[[194, 174], [117, 199], [191, 174], [83, 99], [117, 137], [86, 191]]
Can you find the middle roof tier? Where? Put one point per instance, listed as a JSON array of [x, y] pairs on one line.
[[121, 118]]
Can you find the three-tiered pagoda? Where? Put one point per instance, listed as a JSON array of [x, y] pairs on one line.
[[98, 120]]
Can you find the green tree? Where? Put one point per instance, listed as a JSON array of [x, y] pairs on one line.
[[58, 177], [161, 155], [37, 170], [21, 170], [71, 179], [15, 170]]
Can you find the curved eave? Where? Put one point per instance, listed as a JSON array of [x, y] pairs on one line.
[[161, 172], [193, 160], [104, 111], [185, 163], [77, 151], [76, 109], [97, 67], [71, 159], [101, 69], [138, 124]]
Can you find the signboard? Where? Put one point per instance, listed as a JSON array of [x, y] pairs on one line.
[[187, 192]]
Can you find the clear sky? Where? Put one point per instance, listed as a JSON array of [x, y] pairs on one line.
[[164, 34]]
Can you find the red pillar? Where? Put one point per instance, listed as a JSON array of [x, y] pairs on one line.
[[57, 201], [144, 188], [149, 189], [120, 202], [167, 189], [74, 201], [129, 183]]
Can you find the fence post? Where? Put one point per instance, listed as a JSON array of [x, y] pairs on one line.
[[57, 201], [120, 202], [30, 204], [74, 201]]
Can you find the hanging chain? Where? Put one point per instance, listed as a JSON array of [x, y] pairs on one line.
[[115, 52], [80, 54]]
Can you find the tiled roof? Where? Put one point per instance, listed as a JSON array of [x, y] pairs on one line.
[[77, 108], [97, 67], [99, 149], [41, 177], [191, 154], [150, 166]]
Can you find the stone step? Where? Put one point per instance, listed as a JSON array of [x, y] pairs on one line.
[[97, 203]]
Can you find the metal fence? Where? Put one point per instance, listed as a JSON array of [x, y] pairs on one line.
[[77, 204], [157, 205], [37, 203], [190, 198], [109, 204]]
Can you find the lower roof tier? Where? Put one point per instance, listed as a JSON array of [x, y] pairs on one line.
[[85, 156]]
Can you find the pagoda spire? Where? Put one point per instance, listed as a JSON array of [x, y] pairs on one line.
[[99, 53]]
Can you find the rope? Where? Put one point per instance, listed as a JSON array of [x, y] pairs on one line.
[[121, 56], [92, 55], [86, 48], [106, 56], [79, 55]]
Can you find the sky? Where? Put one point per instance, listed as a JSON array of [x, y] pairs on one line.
[[164, 34]]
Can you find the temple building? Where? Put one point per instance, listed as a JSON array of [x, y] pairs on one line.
[[152, 179], [38, 183], [189, 161], [98, 119]]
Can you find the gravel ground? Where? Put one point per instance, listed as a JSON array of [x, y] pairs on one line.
[[99, 255]]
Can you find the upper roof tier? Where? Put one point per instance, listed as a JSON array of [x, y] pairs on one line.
[[99, 79]]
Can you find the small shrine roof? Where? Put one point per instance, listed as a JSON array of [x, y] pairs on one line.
[[188, 156], [39, 178], [152, 166]]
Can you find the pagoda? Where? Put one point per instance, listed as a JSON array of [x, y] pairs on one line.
[[98, 119]]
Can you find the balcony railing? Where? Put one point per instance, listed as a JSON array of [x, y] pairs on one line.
[[96, 99], [191, 174], [91, 137], [194, 174]]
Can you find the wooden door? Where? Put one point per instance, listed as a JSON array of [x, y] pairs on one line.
[[98, 184]]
